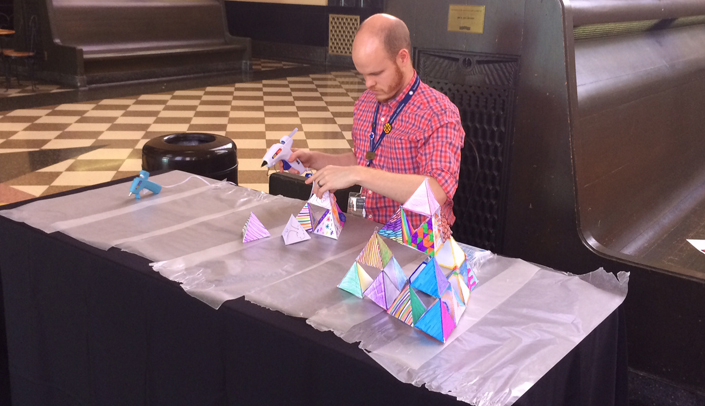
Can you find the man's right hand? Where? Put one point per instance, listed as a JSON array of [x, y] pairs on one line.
[[305, 156]]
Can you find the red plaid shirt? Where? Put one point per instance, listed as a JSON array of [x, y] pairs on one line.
[[426, 139]]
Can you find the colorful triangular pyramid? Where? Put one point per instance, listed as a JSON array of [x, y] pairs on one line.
[[293, 232], [430, 279], [422, 201], [382, 291], [253, 229], [305, 217], [376, 253], [437, 322], [329, 225], [392, 229], [356, 281], [450, 255]]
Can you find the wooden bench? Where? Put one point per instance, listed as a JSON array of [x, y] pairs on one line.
[[100, 41]]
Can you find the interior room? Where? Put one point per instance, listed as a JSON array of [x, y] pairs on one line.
[[557, 227]]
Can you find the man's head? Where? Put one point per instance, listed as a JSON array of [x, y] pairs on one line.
[[382, 53]]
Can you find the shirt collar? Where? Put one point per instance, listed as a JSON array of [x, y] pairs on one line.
[[394, 102]]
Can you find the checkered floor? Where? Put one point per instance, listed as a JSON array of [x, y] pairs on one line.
[[254, 114]]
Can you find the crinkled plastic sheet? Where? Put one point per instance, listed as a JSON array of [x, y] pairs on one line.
[[521, 320]]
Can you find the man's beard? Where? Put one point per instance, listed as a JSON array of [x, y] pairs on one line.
[[396, 85]]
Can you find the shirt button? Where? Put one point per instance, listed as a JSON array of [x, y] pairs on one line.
[[369, 217]]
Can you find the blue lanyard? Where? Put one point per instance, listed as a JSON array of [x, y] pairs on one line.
[[370, 155]]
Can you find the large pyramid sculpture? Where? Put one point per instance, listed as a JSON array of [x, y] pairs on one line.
[[435, 296]]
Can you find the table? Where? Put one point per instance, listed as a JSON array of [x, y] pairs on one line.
[[92, 327]]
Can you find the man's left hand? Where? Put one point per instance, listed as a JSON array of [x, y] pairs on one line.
[[332, 178]]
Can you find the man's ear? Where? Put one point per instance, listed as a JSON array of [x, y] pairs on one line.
[[403, 57]]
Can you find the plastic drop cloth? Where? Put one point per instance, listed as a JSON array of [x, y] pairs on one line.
[[520, 321]]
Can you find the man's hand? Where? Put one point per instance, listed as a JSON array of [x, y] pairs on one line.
[[332, 178], [305, 156]]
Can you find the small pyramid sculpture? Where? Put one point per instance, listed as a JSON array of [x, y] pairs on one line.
[[253, 229], [356, 280], [437, 322], [305, 217], [382, 291], [294, 232], [423, 201], [450, 255], [376, 253], [430, 279], [427, 237], [331, 223]]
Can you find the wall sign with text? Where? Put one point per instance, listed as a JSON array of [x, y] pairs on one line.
[[466, 18]]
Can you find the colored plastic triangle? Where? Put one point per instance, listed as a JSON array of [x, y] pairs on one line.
[[472, 279], [459, 288], [422, 238], [253, 229], [463, 271], [371, 254], [306, 218], [364, 278], [422, 201], [431, 322], [390, 291], [294, 232], [392, 229], [384, 252], [447, 321], [430, 279], [405, 228], [376, 291], [401, 307], [417, 307], [437, 230], [395, 273], [351, 281]]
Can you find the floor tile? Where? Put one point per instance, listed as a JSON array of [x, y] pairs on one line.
[[83, 178]]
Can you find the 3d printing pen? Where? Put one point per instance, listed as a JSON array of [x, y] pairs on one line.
[[142, 182], [282, 152]]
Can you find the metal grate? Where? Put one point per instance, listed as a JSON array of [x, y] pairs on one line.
[[341, 33], [482, 87]]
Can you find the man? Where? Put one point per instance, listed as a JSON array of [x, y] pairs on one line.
[[417, 133]]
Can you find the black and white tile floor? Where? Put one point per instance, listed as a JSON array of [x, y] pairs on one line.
[[85, 143]]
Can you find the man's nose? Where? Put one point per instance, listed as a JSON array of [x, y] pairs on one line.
[[370, 83]]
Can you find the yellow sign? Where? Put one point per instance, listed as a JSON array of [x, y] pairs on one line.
[[466, 19]]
